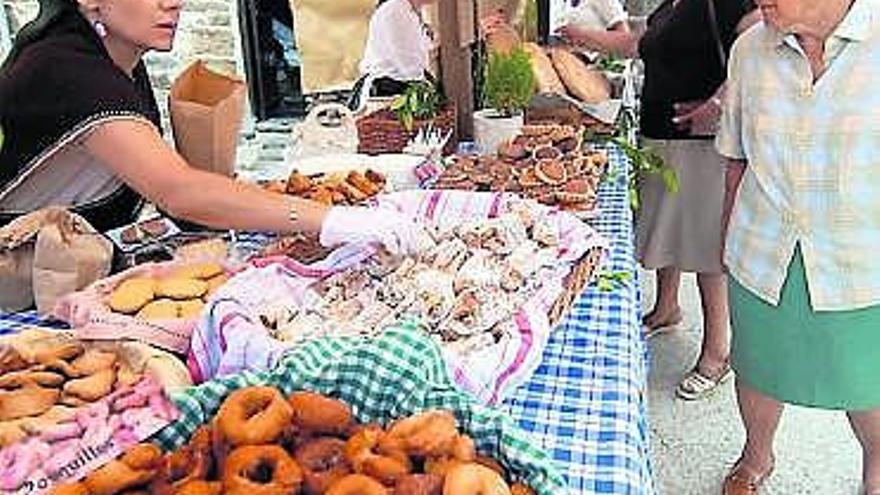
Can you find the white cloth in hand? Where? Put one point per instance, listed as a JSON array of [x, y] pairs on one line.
[[397, 233]]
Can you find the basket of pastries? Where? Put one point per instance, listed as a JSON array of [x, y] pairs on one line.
[[68, 405], [545, 162], [336, 417], [157, 303]]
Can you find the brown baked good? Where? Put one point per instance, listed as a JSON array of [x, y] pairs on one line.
[[132, 295], [298, 184], [544, 70], [160, 309], [587, 85], [154, 228], [181, 288]]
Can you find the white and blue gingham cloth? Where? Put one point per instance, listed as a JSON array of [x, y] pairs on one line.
[[586, 401]]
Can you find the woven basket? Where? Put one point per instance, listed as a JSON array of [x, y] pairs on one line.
[[381, 132], [575, 283]]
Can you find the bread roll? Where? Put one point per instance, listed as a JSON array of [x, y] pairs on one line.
[[545, 73], [587, 85]]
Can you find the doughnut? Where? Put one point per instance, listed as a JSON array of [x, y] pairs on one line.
[[261, 470], [181, 467], [440, 466], [143, 456], [200, 487], [320, 414], [357, 484], [11, 360], [520, 488], [70, 489], [429, 434], [116, 476], [387, 467], [323, 462], [474, 479], [160, 309], [419, 484], [464, 449], [490, 463], [253, 416]]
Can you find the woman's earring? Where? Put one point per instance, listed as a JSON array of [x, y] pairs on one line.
[[100, 28]]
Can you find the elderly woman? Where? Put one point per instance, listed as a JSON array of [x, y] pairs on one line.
[[685, 52], [803, 202], [83, 131]]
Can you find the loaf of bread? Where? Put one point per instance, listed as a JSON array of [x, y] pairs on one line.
[[545, 73], [589, 86]]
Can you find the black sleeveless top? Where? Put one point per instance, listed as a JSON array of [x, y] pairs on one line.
[[58, 83], [682, 63]]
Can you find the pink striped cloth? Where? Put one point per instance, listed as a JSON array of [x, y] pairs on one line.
[[230, 338]]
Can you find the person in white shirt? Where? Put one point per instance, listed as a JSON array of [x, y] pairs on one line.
[[589, 14], [398, 46]]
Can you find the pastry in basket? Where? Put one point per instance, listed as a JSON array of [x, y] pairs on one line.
[[181, 294], [298, 184], [306, 443]]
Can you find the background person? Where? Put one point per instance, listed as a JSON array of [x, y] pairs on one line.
[[684, 51]]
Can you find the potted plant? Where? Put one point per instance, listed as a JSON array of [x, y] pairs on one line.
[[508, 89]]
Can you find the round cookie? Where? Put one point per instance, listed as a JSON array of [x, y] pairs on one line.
[[161, 309], [200, 271], [132, 295], [190, 309], [216, 282], [181, 288]]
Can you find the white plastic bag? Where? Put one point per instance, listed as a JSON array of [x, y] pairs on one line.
[[328, 129]]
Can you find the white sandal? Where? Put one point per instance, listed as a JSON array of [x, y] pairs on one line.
[[696, 385]]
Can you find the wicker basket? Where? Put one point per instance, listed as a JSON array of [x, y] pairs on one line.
[[381, 131], [575, 283]]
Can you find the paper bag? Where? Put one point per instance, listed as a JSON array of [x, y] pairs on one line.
[[48, 254], [206, 114], [68, 258]]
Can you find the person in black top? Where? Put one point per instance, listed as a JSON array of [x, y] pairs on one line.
[[684, 51], [82, 131]]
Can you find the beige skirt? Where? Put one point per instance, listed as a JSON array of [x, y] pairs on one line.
[[682, 230]]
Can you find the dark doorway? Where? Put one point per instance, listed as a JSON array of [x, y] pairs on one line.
[[271, 58]]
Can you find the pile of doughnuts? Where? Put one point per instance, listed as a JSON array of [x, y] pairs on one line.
[[263, 443], [40, 390], [181, 294], [332, 189]]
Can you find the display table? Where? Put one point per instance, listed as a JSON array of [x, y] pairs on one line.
[[585, 403]]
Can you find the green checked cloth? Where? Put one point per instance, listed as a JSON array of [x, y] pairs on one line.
[[396, 375]]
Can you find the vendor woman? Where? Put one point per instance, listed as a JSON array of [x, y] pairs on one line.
[[82, 130], [398, 46]]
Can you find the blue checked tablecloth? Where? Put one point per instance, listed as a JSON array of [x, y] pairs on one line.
[[585, 403]]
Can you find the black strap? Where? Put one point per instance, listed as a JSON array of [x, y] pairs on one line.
[[716, 33]]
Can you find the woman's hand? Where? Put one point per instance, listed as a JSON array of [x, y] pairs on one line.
[[396, 232], [576, 35], [698, 118]]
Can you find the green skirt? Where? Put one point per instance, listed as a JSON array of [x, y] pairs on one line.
[[828, 360]]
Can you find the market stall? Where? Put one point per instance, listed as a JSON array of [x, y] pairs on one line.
[[504, 348]]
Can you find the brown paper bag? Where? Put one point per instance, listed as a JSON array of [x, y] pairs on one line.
[[206, 113], [48, 254], [68, 257]]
